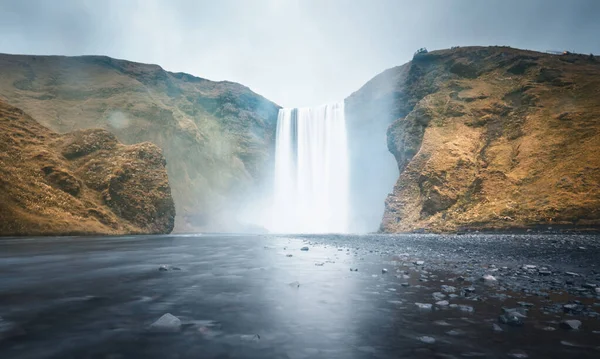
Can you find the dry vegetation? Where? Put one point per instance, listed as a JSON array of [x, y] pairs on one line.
[[84, 182], [496, 138], [217, 137]]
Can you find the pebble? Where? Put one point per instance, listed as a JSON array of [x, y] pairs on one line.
[[419, 263], [442, 303], [304, 248], [571, 324], [427, 340], [442, 323], [455, 332], [466, 308], [438, 296], [497, 328], [166, 323], [405, 284], [488, 278], [589, 286], [384, 271], [448, 289], [289, 255], [513, 318], [525, 304], [163, 268], [518, 354], [425, 306], [548, 329], [572, 274], [529, 267], [544, 272]]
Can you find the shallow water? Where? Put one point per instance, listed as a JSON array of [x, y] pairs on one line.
[[245, 297]]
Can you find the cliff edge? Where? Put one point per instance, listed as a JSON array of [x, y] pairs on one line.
[[493, 138], [83, 182]]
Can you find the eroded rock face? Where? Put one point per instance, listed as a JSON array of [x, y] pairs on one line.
[[491, 138], [217, 137], [84, 182]]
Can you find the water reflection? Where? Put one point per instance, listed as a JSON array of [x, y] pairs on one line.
[[234, 298]]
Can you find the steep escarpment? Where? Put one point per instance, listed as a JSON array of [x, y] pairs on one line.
[[493, 138], [83, 182], [217, 137]]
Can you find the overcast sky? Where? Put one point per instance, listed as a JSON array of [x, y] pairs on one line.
[[296, 52]]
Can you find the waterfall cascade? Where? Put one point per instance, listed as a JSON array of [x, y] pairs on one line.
[[311, 171]]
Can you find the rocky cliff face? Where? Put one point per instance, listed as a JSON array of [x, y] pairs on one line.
[[493, 138], [83, 182], [217, 137]]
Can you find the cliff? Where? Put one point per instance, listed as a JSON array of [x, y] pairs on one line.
[[491, 138], [217, 137], [84, 182]]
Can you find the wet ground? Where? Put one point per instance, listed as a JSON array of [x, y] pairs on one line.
[[406, 296]]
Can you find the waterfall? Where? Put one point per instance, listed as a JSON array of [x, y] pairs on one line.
[[311, 171]]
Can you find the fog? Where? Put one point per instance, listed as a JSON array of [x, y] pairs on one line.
[[296, 53]]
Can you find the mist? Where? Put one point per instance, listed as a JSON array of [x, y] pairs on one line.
[[295, 53]]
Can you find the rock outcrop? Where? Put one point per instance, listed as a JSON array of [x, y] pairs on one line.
[[492, 138], [217, 137], [83, 182]]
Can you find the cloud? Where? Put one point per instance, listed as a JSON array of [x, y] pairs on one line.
[[294, 52]]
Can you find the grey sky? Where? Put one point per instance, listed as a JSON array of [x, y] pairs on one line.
[[296, 52]]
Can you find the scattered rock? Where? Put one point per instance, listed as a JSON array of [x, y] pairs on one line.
[[548, 329], [544, 273], [571, 324], [424, 306], [250, 337], [513, 317], [384, 271], [570, 308], [525, 304], [442, 323], [442, 303], [405, 284], [175, 268], [497, 328], [304, 248], [455, 332], [572, 274], [294, 284], [529, 267], [518, 354], [289, 255], [438, 296], [448, 289], [466, 308], [427, 340], [589, 286], [166, 323], [489, 279], [419, 263]]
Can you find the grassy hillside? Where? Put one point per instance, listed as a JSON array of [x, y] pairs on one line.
[[217, 137], [84, 182], [491, 138]]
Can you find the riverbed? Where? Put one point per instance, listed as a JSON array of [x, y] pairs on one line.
[[269, 296]]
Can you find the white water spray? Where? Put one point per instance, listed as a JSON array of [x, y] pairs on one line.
[[311, 171]]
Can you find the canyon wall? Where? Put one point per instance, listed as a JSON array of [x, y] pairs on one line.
[[82, 182], [217, 137], [492, 138]]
